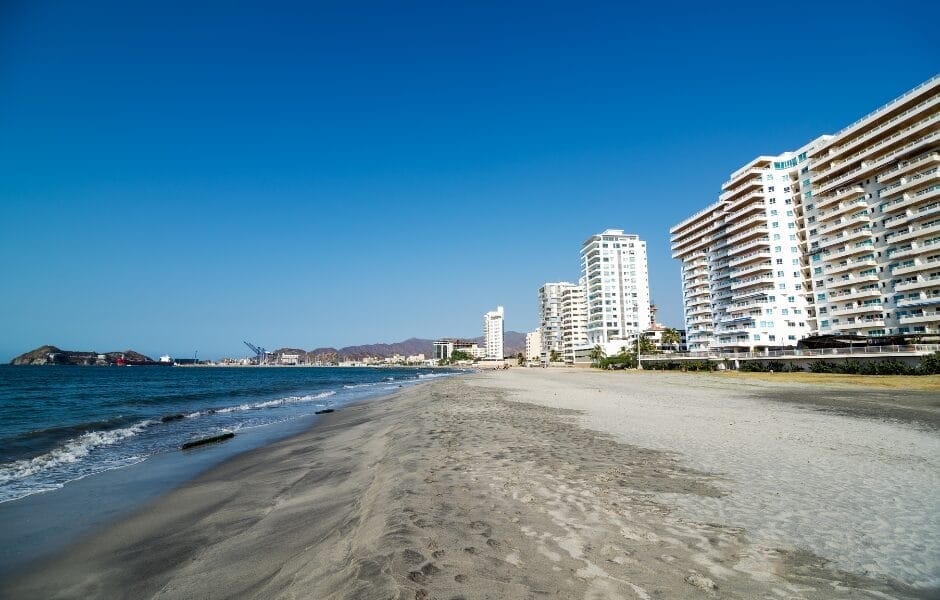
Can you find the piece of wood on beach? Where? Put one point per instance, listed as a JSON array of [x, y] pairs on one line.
[[324, 411], [208, 440]]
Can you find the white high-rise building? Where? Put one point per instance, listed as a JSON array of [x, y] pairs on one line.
[[533, 345], [871, 198], [573, 321], [493, 333], [617, 286], [841, 236], [550, 296]]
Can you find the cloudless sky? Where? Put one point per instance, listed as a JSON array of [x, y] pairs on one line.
[[182, 176]]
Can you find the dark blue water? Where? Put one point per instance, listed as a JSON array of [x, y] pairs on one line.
[[60, 424]]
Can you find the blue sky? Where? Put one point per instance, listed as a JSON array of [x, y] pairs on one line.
[[182, 176]]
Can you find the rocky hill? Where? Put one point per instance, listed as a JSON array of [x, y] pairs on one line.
[[51, 355]]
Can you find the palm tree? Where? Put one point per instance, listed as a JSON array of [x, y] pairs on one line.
[[554, 356], [597, 355], [672, 338]]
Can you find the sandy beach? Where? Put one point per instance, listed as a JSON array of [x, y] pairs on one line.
[[551, 484]]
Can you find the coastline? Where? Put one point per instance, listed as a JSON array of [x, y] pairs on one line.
[[504, 484]]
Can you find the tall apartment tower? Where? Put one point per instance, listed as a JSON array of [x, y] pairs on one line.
[[841, 236], [550, 318], [616, 277], [690, 244], [493, 333], [871, 199], [573, 321], [743, 285]]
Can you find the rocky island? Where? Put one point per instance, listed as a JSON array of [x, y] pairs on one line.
[[51, 355]]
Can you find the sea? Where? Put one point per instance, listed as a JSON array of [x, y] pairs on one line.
[[80, 446]]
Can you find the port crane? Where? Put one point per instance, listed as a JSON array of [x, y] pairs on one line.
[[260, 353]]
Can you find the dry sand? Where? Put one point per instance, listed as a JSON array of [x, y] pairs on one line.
[[549, 484]]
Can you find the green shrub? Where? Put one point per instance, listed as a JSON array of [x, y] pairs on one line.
[[930, 364], [823, 366]]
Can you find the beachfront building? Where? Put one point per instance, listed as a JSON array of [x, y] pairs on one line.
[[550, 295], [871, 199], [493, 333], [742, 275], [444, 348], [690, 244], [839, 236], [573, 321], [615, 274], [533, 345]]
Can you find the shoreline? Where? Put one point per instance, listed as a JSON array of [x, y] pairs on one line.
[[489, 485], [43, 523]]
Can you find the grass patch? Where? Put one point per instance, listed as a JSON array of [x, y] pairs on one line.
[[885, 382]]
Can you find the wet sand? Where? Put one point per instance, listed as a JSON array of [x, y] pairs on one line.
[[545, 484]]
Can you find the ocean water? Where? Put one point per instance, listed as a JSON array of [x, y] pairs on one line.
[[62, 424]]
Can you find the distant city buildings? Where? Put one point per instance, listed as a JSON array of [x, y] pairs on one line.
[[609, 305], [493, 330], [616, 279], [841, 236], [444, 349]]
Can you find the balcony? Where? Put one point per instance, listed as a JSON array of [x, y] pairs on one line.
[[907, 183], [741, 284], [907, 166], [857, 309], [844, 222], [749, 185], [737, 225], [920, 282], [748, 208], [842, 195], [745, 204], [921, 300], [848, 251], [883, 127], [855, 294], [845, 207], [913, 129], [916, 232], [755, 293], [844, 238], [851, 265], [751, 269], [764, 241], [869, 166], [850, 280], [900, 205], [922, 317], [760, 230], [750, 257], [861, 324]]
